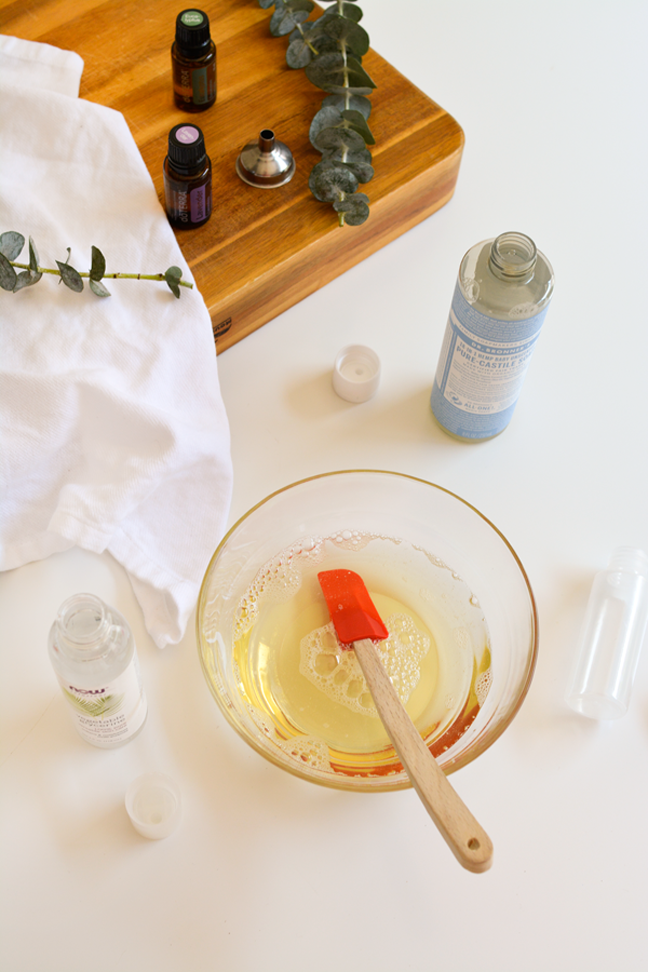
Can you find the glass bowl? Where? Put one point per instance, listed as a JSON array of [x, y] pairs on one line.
[[450, 588]]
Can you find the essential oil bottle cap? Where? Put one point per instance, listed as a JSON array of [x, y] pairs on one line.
[[356, 374], [154, 806], [186, 146], [192, 32]]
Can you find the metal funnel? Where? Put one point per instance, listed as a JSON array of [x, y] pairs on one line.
[[266, 163]]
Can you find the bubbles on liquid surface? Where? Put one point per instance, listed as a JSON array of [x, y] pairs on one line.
[[351, 539], [277, 581], [482, 686], [304, 749], [337, 672]]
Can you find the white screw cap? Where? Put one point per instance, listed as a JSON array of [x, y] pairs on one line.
[[153, 805], [356, 374]]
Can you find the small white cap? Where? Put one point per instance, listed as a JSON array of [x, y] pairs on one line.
[[153, 805], [356, 375]]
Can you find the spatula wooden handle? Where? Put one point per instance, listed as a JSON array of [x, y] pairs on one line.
[[468, 841]]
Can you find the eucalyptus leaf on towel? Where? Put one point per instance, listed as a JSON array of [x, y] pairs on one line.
[[330, 51], [12, 244]]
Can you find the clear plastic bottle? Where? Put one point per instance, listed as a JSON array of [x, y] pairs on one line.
[[93, 653], [611, 637], [500, 301]]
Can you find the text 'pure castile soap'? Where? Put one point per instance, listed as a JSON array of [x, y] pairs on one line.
[[499, 305]]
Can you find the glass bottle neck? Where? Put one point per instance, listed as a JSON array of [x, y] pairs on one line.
[[84, 625]]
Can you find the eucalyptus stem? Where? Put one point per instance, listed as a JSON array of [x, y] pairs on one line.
[[12, 243], [306, 40], [330, 50], [111, 276]]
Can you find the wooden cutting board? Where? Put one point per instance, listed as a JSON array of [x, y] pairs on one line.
[[262, 250]]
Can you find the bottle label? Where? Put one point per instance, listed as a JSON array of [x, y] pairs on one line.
[[110, 713], [187, 207], [202, 85], [481, 369], [198, 204]]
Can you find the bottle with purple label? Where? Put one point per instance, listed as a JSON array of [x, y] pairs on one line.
[[499, 305], [187, 178]]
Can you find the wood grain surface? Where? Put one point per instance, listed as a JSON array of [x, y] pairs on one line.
[[263, 250]]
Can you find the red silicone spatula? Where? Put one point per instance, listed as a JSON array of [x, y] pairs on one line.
[[358, 625]]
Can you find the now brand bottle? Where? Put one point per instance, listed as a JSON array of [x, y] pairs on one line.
[[499, 305], [93, 653]]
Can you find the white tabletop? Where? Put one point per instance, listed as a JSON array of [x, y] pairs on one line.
[[268, 872]]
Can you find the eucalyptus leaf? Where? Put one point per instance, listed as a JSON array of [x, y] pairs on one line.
[[70, 277], [286, 17], [300, 50], [298, 54], [11, 244], [335, 74], [33, 256], [26, 279], [355, 208], [358, 162], [350, 10], [362, 156], [98, 288], [347, 33], [326, 117], [355, 103], [172, 277], [7, 274], [98, 267], [357, 121], [340, 137], [266, 4], [300, 31], [329, 181]]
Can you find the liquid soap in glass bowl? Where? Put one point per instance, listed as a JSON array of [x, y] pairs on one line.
[[450, 587], [308, 692]]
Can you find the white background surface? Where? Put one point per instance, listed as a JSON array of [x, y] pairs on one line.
[[267, 872]]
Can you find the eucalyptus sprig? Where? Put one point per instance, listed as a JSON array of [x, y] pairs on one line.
[[330, 49], [11, 246]]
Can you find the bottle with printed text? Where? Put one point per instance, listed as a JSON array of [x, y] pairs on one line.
[[193, 62], [187, 178], [499, 305], [93, 654]]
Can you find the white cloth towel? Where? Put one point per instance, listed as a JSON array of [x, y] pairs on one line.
[[114, 433]]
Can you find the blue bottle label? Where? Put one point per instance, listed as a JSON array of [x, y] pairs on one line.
[[481, 369]]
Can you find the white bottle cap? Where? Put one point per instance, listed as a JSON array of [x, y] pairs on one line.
[[356, 375], [153, 805]]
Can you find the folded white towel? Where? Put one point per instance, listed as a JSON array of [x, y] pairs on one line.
[[114, 433]]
